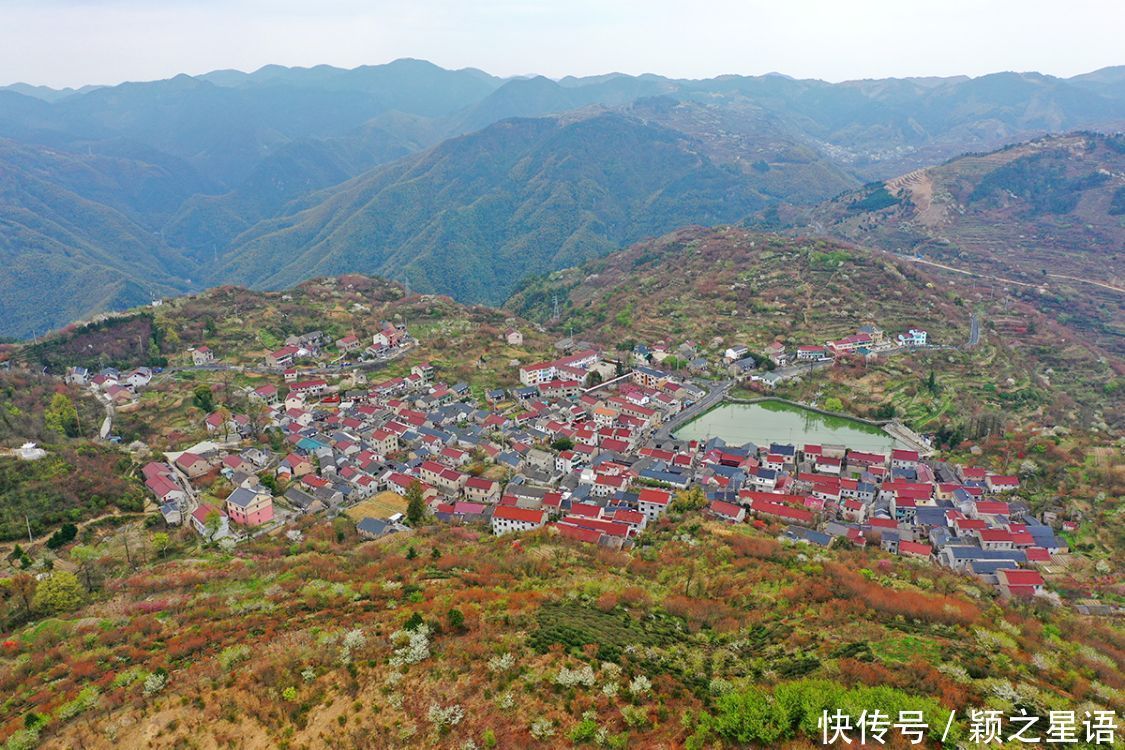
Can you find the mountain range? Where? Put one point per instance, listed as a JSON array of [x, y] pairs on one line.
[[455, 180]]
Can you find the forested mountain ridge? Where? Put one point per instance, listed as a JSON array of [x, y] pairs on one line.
[[226, 158], [476, 214]]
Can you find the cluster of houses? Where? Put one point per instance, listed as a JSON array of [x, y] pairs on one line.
[[389, 340], [537, 454], [868, 340], [962, 517], [249, 503], [111, 383], [592, 463]]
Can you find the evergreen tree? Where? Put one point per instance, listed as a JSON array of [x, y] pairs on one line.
[[203, 398], [61, 416], [415, 504]]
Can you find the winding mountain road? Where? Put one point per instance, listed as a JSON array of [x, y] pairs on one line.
[[1004, 280]]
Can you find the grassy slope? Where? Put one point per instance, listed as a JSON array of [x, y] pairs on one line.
[[761, 616], [76, 481]]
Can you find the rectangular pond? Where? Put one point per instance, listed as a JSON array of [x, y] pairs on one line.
[[766, 422]]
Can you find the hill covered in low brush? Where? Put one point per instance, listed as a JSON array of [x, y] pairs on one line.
[[755, 288], [705, 635], [1046, 215]]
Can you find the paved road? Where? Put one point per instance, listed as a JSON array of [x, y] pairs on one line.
[[1003, 280], [110, 411], [974, 331], [716, 392]]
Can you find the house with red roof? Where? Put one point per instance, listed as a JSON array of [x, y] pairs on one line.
[[983, 508], [613, 533], [973, 474], [995, 539], [267, 393], [725, 511], [507, 518], [653, 502], [295, 465], [202, 355], [442, 476], [314, 387], [586, 510], [214, 421], [210, 522], [165, 489], [1021, 583], [578, 533], [904, 459], [235, 462], [282, 357], [538, 372], [192, 465], [482, 490], [633, 518], [850, 343], [348, 344], [915, 549], [863, 459], [827, 465], [853, 511], [388, 337], [1001, 483], [760, 506], [969, 526], [605, 484]]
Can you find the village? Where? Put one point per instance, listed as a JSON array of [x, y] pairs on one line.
[[583, 446]]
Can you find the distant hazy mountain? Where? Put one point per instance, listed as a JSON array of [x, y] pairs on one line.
[[72, 239], [231, 159]]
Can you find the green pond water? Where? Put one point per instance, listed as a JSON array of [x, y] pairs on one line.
[[768, 422]]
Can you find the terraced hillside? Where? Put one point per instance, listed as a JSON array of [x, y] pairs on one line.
[[1042, 219]]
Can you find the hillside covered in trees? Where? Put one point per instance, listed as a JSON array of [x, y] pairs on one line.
[[704, 636]]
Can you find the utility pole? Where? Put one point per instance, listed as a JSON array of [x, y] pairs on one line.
[[30, 538]]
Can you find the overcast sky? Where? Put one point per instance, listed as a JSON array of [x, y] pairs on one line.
[[75, 42]]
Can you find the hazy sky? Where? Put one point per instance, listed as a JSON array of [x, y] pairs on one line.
[[74, 42]]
